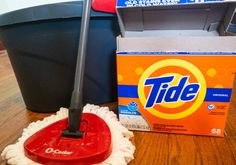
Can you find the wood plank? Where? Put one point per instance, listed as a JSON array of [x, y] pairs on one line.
[[1, 46]]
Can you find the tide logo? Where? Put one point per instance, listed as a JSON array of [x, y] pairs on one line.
[[171, 90], [162, 91]]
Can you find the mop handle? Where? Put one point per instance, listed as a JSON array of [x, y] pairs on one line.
[[76, 105]]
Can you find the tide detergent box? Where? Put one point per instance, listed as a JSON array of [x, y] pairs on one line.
[[176, 63], [175, 92]]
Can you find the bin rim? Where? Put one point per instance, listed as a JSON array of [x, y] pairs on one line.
[[60, 10]]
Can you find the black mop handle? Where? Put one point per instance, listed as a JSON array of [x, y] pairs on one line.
[[76, 105]]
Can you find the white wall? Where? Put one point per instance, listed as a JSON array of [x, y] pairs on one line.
[[11, 5]]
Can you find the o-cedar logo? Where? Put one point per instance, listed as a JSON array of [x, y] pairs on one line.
[[172, 89]]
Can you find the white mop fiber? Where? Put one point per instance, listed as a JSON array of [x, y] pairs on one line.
[[122, 151]]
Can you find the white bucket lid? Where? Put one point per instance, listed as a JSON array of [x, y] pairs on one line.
[[12, 5]]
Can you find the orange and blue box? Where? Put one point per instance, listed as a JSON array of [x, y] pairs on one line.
[[175, 92]]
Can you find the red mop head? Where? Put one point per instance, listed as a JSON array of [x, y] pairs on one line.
[[104, 5], [47, 146], [122, 148]]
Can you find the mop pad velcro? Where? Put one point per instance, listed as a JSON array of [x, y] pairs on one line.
[[122, 150]]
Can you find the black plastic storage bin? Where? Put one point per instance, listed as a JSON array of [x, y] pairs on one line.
[[42, 45]]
